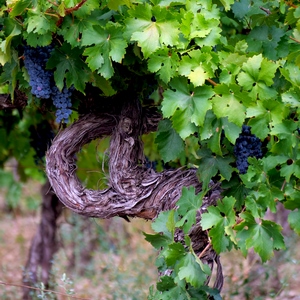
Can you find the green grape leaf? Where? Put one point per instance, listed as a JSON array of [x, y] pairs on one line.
[[69, 66], [5, 46], [263, 236], [191, 271], [265, 39], [293, 219], [188, 205], [291, 72], [109, 46], [187, 105], [258, 76], [151, 27], [72, 28], [173, 252], [115, 4], [35, 40], [169, 143], [38, 22], [165, 283], [290, 169], [202, 25], [165, 223], [292, 97], [229, 103], [197, 66], [19, 7], [227, 3], [158, 241], [210, 165], [241, 8], [220, 219], [164, 62]]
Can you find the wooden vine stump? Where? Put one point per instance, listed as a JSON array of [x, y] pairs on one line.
[[133, 190]]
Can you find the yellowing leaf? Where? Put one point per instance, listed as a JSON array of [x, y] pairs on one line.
[[198, 76]]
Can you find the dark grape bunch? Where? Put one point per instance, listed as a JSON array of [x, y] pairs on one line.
[[247, 145], [35, 60], [62, 102], [42, 81]]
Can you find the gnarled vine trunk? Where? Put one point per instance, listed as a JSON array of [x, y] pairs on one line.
[[44, 244], [134, 190]]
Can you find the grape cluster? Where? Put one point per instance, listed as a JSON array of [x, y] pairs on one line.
[[247, 145], [62, 102], [42, 81], [35, 60], [150, 164]]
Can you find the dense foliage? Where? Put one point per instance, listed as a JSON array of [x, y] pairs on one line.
[[211, 66]]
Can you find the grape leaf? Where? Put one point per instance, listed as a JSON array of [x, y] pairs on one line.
[[209, 165], [169, 143], [292, 97], [109, 46], [197, 66], [290, 169], [19, 7], [241, 8], [188, 205], [191, 271], [263, 236], [187, 104], [5, 46], [173, 252], [69, 66], [72, 28], [158, 241], [227, 3], [292, 73], [165, 283], [164, 62], [293, 220], [220, 219], [257, 76], [165, 223], [35, 40], [202, 25], [114, 4], [152, 28], [229, 103], [38, 22], [265, 39]]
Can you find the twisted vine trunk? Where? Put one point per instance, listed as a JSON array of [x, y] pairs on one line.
[[44, 244], [134, 191]]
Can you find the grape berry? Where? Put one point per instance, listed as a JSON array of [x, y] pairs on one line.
[[247, 145], [42, 81]]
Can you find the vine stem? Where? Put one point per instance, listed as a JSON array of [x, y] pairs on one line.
[[39, 289], [212, 82], [295, 40], [204, 250], [283, 185]]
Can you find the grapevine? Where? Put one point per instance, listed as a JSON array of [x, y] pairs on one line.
[[214, 66]]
